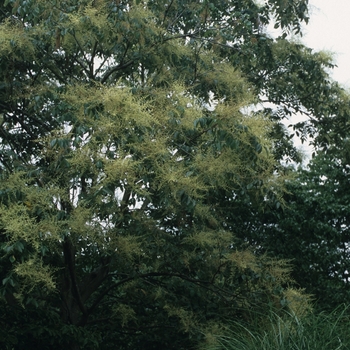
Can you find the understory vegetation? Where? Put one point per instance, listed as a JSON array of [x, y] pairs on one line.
[[314, 331]]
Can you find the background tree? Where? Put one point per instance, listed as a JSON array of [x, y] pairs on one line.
[[312, 228]]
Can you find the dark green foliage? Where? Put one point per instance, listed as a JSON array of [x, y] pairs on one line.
[[311, 229], [124, 197]]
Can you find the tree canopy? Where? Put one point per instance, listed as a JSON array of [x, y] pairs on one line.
[[313, 228], [130, 149]]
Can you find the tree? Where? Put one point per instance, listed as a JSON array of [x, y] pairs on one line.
[[313, 228], [115, 165]]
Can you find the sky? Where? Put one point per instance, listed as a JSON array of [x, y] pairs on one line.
[[329, 30]]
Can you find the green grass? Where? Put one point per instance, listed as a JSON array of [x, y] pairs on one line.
[[320, 331]]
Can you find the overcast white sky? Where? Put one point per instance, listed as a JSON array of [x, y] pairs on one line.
[[329, 29]]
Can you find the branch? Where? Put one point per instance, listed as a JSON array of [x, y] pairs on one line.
[[151, 274], [93, 281], [91, 63], [115, 69], [175, 20], [145, 204], [125, 200], [129, 63], [69, 257], [81, 64], [58, 77], [167, 10], [218, 270]]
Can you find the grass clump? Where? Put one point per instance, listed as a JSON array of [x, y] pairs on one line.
[[315, 331]]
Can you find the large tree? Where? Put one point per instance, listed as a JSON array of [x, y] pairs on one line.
[[125, 150], [312, 229]]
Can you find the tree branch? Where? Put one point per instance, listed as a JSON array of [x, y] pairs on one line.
[[167, 10], [115, 69], [151, 274], [125, 199], [69, 257], [91, 63]]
